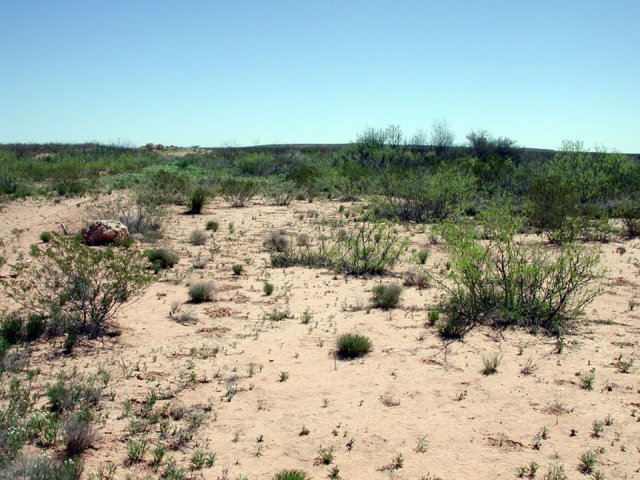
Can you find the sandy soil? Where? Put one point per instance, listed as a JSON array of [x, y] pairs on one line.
[[368, 411]]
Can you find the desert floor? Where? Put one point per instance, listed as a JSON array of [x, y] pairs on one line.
[[413, 395]]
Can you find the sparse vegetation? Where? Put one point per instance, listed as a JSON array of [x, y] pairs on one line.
[[386, 296], [201, 292]]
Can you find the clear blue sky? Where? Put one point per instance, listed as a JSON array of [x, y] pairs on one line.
[[246, 72]]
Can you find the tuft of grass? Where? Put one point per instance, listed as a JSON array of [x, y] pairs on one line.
[[587, 461], [386, 297], [491, 364], [198, 237], [587, 379], [291, 475], [136, 449], [353, 345], [324, 456], [45, 237], [212, 225], [201, 292], [433, 317], [237, 268], [423, 255], [268, 288]]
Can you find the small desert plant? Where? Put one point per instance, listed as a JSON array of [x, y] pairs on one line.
[[423, 254], [433, 317], [78, 436], [237, 268], [587, 462], [386, 297], [201, 459], [212, 225], [597, 427], [136, 449], [198, 198], [291, 475], [587, 379], [45, 237], [624, 366], [491, 364], [34, 327], [353, 345], [284, 376], [201, 292], [238, 192], [268, 288], [555, 472], [161, 258], [324, 456], [277, 242], [198, 237], [11, 329], [416, 278]]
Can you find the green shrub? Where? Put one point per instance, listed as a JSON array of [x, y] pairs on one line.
[[491, 364], [45, 237], [291, 475], [237, 268], [35, 327], [201, 292], [279, 194], [370, 248], [386, 296], [418, 196], [238, 192], [11, 329], [198, 198], [212, 225], [78, 436], [433, 317], [277, 242], [629, 212], [423, 254], [509, 282], [76, 287], [42, 468], [161, 258], [353, 345], [268, 288]]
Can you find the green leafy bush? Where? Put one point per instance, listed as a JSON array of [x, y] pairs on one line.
[[212, 225], [353, 345], [11, 329], [237, 268], [510, 282], [161, 258], [386, 296], [45, 237], [238, 192], [369, 248], [201, 292], [268, 288], [76, 287]]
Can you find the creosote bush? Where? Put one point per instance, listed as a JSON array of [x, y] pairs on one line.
[[238, 192], [78, 288], [353, 345], [509, 282], [201, 292], [386, 296]]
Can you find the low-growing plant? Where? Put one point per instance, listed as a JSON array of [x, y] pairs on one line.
[[386, 297], [161, 258], [433, 317], [268, 288], [45, 237], [587, 379], [597, 427], [423, 255], [78, 436], [201, 459], [416, 278], [491, 364], [212, 225], [555, 472], [353, 345], [324, 456], [11, 329], [136, 449], [198, 237], [291, 475], [587, 461], [237, 268], [201, 292]]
